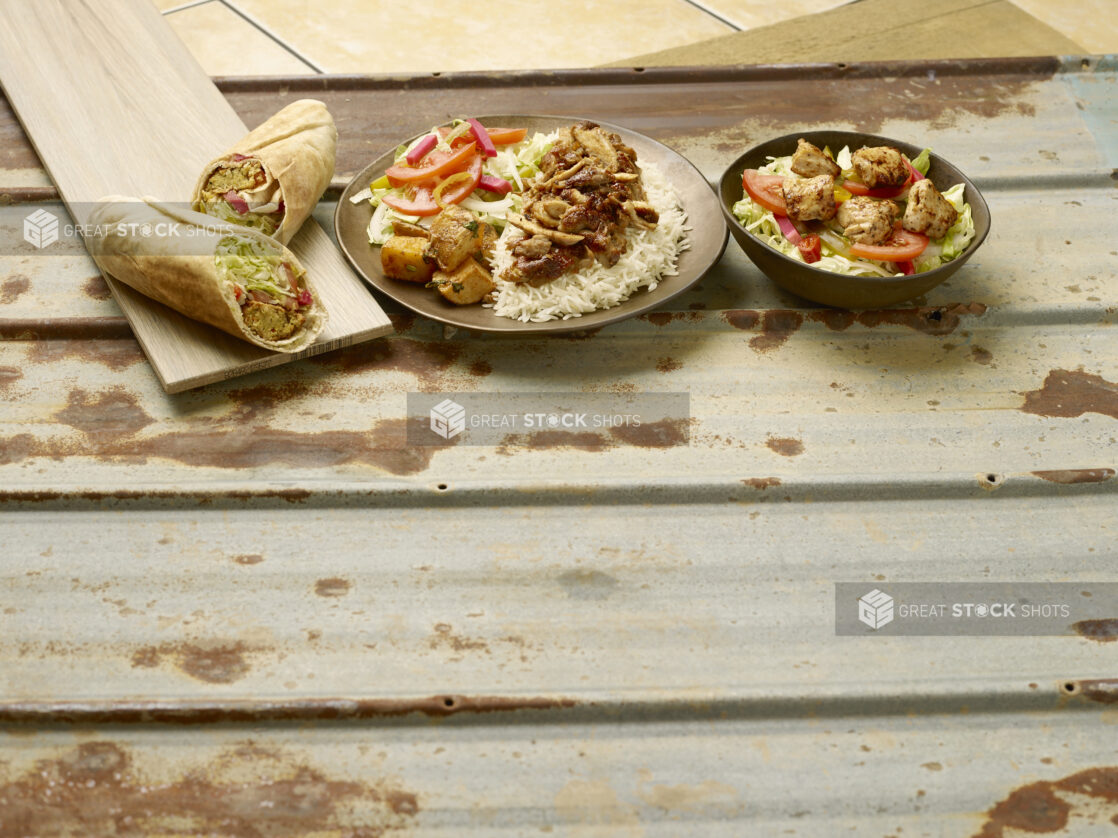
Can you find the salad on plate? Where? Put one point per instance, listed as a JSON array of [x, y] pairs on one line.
[[870, 212]]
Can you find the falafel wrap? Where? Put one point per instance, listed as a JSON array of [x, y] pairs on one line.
[[236, 279], [271, 180]]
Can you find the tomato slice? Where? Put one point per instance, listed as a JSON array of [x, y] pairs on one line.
[[766, 190], [422, 202], [443, 165], [855, 188], [904, 246], [499, 136]]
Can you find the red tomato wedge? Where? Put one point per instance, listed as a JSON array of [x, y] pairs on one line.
[[442, 166], [499, 136], [855, 188], [421, 203], [903, 247], [766, 190], [811, 248]]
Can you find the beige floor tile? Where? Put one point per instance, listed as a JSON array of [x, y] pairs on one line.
[[1093, 24], [749, 14], [164, 5], [360, 36], [227, 45]]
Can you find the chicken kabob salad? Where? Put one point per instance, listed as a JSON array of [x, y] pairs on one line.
[[872, 212], [535, 228]]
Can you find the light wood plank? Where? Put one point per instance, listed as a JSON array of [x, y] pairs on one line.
[[114, 103]]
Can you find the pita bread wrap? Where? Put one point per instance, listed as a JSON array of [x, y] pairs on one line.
[[208, 270], [272, 179]]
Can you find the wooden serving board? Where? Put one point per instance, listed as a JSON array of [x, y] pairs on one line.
[[114, 103]]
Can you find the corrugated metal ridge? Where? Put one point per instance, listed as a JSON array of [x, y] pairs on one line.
[[1036, 66], [829, 701], [1089, 479]]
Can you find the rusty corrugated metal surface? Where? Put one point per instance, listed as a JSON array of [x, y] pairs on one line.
[[252, 610]]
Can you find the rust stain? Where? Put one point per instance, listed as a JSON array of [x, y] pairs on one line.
[[785, 446], [66, 328], [445, 638], [13, 288], [1100, 690], [111, 420], [114, 354], [777, 325], [580, 440], [248, 558], [1076, 475], [762, 483], [335, 586], [8, 376], [931, 320], [216, 663], [402, 322], [426, 360], [1039, 808], [666, 365], [112, 414], [480, 369], [980, 355], [1071, 393], [664, 433], [742, 318], [97, 288], [245, 792], [1101, 631]]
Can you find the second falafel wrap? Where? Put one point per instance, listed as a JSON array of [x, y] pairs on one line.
[[272, 179], [236, 279]]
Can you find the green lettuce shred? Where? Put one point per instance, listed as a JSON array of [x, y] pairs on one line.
[[251, 264]]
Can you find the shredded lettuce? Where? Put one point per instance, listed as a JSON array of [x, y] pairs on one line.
[[251, 264], [762, 223], [265, 223]]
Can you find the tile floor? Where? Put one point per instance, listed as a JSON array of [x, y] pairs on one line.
[[286, 37]]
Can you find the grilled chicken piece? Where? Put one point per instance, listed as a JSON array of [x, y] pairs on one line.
[[272, 322], [597, 145], [532, 247], [867, 220], [810, 161], [538, 230], [928, 212], [810, 198], [879, 166], [455, 236], [641, 213]]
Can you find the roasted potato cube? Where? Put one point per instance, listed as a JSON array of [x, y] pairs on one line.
[[404, 257], [488, 245], [455, 236], [466, 285]]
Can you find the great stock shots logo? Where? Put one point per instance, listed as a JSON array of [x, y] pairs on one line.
[[40, 229], [875, 609], [448, 419]]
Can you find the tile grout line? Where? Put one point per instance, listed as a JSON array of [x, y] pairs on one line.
[[245, 16], [182, 6], [716, 15]]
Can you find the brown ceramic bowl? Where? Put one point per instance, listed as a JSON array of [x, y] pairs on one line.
[[832, 289], [708, 241]]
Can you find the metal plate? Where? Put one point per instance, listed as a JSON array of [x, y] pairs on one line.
[[708, 240]]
